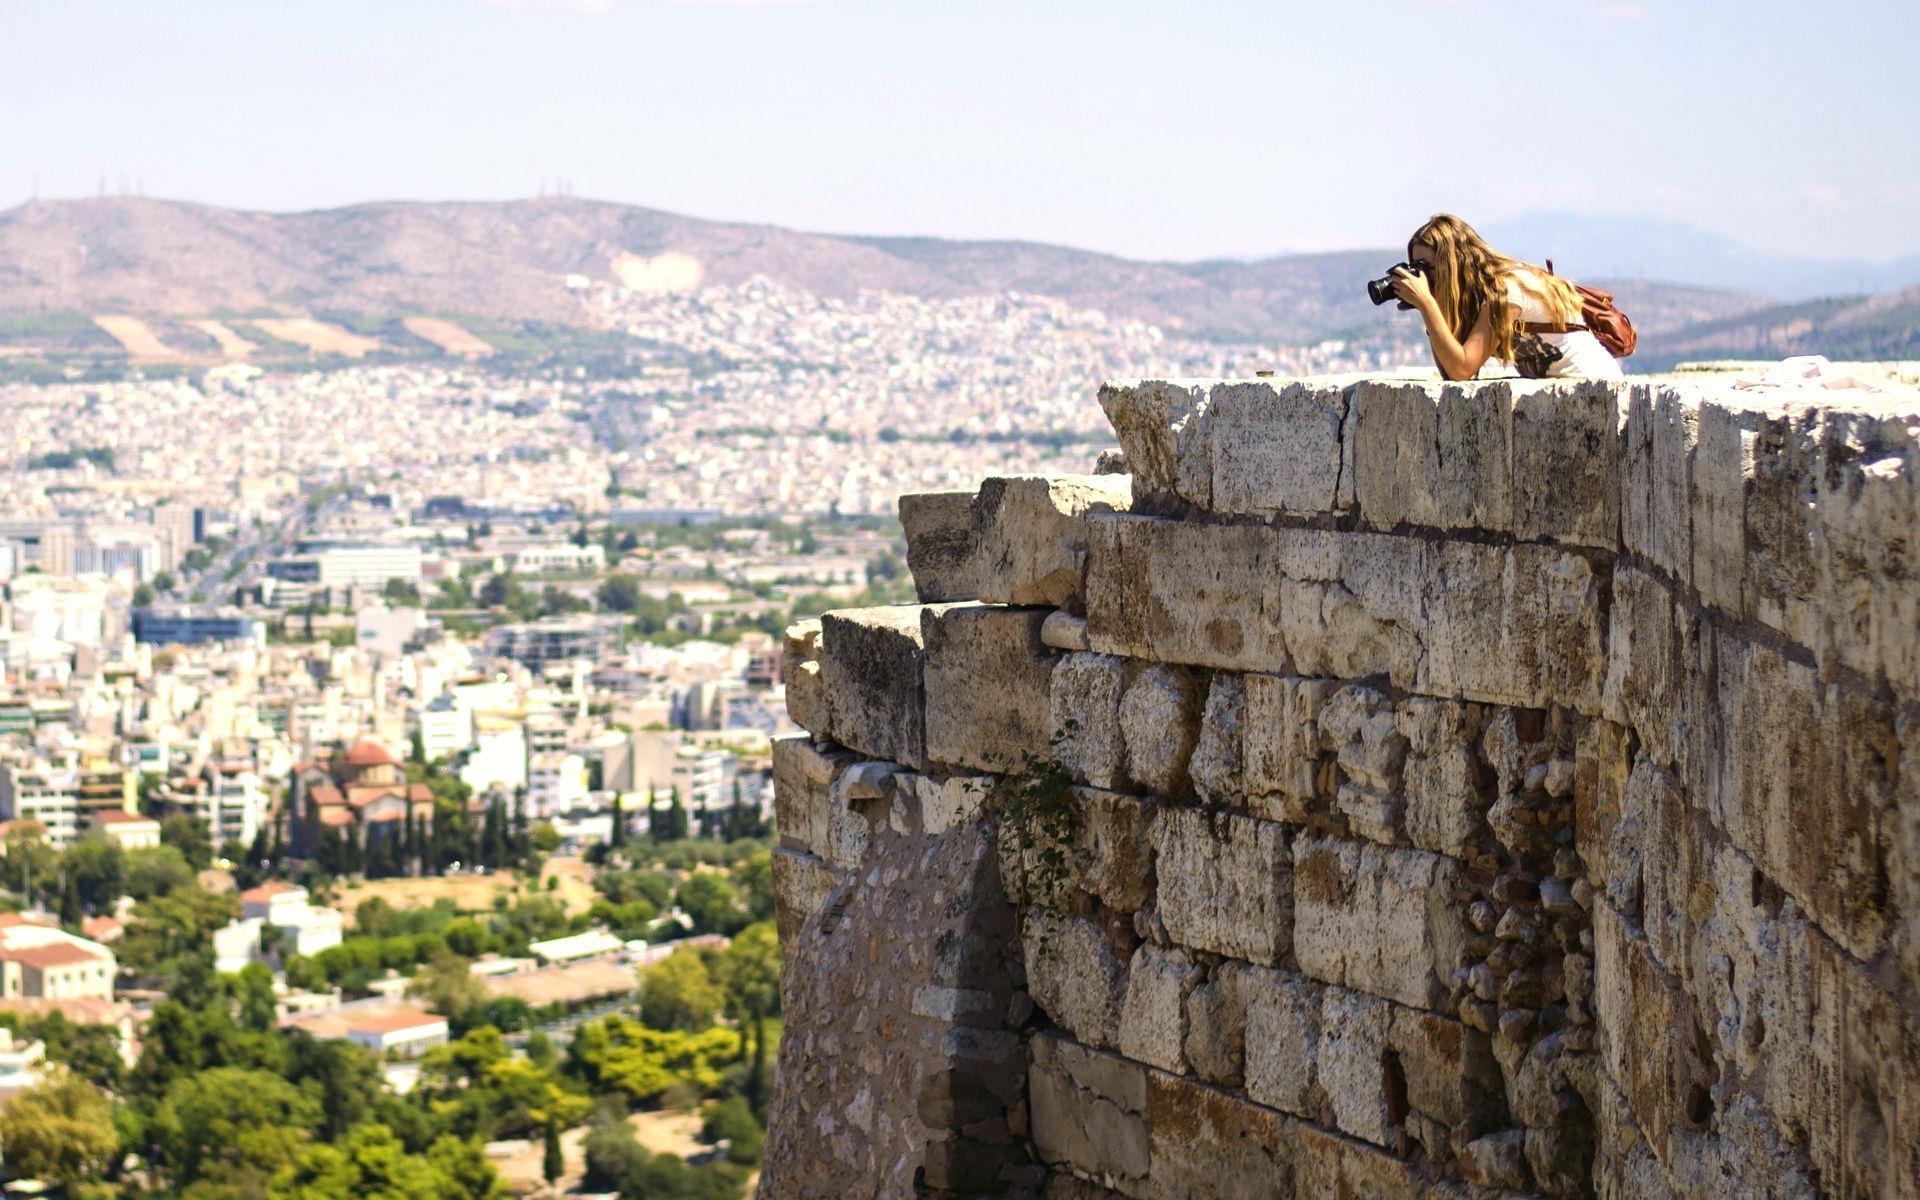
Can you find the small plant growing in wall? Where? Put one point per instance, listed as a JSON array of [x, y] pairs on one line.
[[1039, 824]]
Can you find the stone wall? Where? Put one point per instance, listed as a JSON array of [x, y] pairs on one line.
[[1386, 790]]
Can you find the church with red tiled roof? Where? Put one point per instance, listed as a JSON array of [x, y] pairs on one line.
[[361, 794]]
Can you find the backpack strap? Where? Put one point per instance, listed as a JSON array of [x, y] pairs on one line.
[[1551, 327]]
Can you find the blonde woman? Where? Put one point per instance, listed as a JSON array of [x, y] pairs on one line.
[[1479, 304]]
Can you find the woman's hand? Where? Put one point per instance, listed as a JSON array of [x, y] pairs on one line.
[[1411, 287]]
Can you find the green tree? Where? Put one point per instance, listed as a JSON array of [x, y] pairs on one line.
[[619, 593], [156, 871], [711, 903], [552, 1164], [60, 1130], [229, 1123], [678, 992], [143, 596], [189, 836], [372, 1164]]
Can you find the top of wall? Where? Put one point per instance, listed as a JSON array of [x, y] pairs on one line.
[[1794, 507]]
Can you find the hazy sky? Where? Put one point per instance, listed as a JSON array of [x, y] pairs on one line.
[[1157, 130]]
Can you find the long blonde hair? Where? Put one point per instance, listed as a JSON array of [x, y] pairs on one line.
[[1469, 276]]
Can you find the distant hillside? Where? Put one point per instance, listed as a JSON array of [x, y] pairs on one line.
[[1860, 328], [1645, 248], [506, 261]]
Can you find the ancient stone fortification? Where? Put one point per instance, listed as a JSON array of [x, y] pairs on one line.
[[1386, 790]]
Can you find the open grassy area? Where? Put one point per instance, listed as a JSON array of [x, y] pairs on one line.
[[471, 893]]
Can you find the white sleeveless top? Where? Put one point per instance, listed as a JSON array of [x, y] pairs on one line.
[[1553, 355]]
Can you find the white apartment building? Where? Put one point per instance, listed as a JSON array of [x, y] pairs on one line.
[[556, 783], [664, 760], [446, 727], [41, 791], [559, 558], [227, 798], [305, 928], [498, 757], [40, 961]]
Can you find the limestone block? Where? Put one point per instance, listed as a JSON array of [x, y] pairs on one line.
[[1359, 726], [939, 803], [1445, 810], [1117, 832], [1064, 631], [1602, 762], [1775, 473], [987, 677], [1804, 782], [1180, 592], [803, 776], [871, 661], [1349, 1063], [1073, 974], [861, 796], [1277, 451], [1644, 664], [1350, 604], [1566, 462], [1216, 766], [1217, 1024], [1433, 455], [1377, 919], [1497, 1160], [1083, 698], [800, 671], [801, 883], [1869, 490], [1205, 1142], [941, 546], [1656, 505], [1152, 1028], [1281, 743], [1327, 1164], [1282, 1040], [1223, 883], [1646, 1030], [1448, 1069], [1516, 625], [1089, 1110], [1160, 723], [1030, 534], [1722, 465], [1164, 429]]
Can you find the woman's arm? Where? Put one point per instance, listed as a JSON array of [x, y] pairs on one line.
[[1456, 359]]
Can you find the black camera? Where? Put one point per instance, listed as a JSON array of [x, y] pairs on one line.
[[1381, 290]]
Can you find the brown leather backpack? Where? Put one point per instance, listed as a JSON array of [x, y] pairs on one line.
[[1598, 316]]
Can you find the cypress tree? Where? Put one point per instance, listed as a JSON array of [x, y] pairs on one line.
[[619, 837], [551, 1163]]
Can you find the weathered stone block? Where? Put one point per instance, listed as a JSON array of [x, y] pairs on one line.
[[1566, 462], [1350, 1063], [1074, 975], [801, 883], [936, 804], [1164, 429], [1516, 625], [1180, 592], [1646, 1030], [1359, 726], [1656, 493], [1326, 1164], [1217, 763], [1350, 603], [800, 672], [942, 552], [987, 677], [1152, 1017], [1281, 743], [1805, 778], [1217, 1024], [1205, 1142], [1282, 1040], [1224, 883], [1869, 487], [1445, 808], [1277, 450], [1030, 534], [1160, 723], [1083, 698], [871, 661], [1722, 465], [1089, 1110], [803, 776], [1376, 919]]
